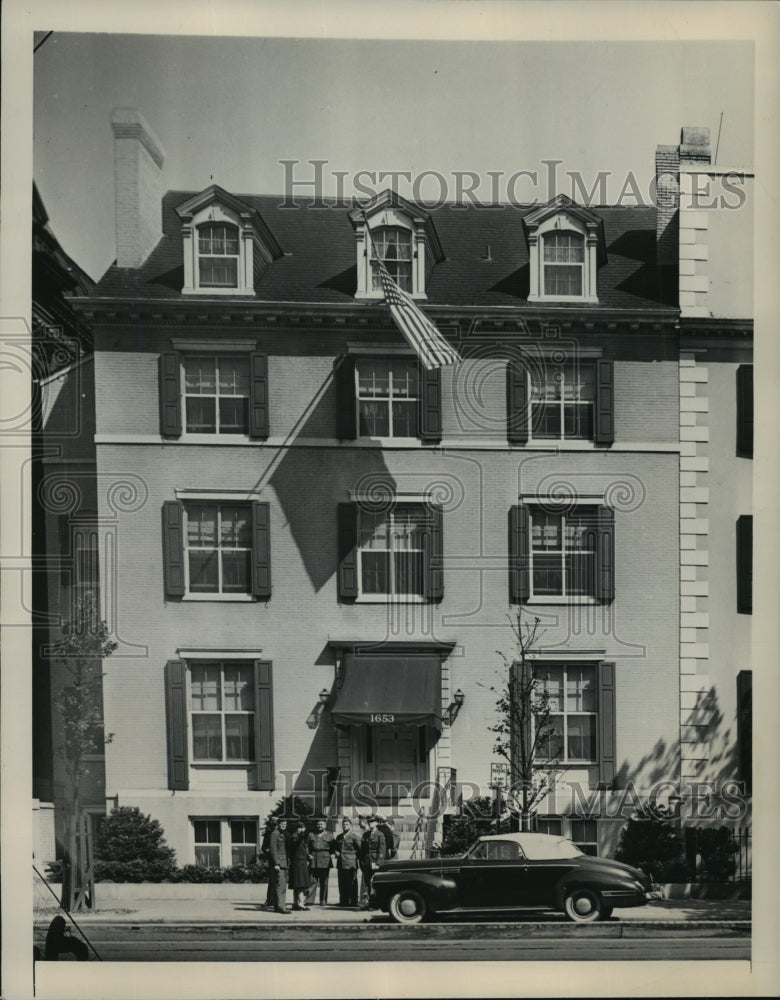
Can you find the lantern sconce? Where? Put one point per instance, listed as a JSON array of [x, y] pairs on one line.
[[455, 706], [314, 716]]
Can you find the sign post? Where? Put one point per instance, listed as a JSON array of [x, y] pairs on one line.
[[498, 778]]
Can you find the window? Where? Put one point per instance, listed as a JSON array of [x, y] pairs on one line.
[[391, 552], [207, 842], [561, 555], [217, 255], [222, 711], [218, 545], [215, 550], [573, 699], [216, 395], [219, 712], [561, 401], [387, 395], [86, 578], [562, 398], [564, 259], [393, 246], [224, 841], [549, 825], [584, 833]]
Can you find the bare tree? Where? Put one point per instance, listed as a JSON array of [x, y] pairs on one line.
[[526, 733], [85, 643]]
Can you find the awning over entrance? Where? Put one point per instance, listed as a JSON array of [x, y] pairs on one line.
[[390, 689]]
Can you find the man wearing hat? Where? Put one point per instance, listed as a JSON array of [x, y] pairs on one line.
[[270, 896], [277, 855], [376, 851], [320, 851]]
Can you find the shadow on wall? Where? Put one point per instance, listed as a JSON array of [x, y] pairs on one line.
[[310, 483]]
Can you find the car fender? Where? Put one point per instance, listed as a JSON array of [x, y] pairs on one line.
[[596, 881], [439, 891]]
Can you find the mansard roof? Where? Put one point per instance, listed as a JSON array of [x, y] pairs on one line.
[[485, 256]]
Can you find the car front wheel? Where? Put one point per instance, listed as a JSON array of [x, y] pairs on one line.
[[583, 905], [408, 907]]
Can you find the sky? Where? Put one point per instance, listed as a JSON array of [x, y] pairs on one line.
[[228, 110]]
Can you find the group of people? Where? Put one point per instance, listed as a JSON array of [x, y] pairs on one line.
[[302, 859]]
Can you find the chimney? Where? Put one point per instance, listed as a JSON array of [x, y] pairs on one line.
[[138, 160], [694, 149]]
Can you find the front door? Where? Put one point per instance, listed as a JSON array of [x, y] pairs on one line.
[[393, 758]]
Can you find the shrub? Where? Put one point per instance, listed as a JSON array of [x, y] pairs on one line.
[[717, 848], [475, 820], [652, 842], [291, 807], [127, 835], [134, 871]]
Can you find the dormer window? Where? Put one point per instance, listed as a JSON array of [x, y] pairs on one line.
[[399, 235], [218, 255], [393, 246], [566, 247], [226, 245], [564, 261]]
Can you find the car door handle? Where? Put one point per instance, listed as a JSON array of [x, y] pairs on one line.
[[450, 871]]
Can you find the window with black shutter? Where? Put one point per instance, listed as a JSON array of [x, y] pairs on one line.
[[560, 401], [745, 410], [387, 397], [216, 549], [208, 393]]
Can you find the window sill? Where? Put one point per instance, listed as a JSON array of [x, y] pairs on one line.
[[222, 765], [391, 599], [220, 292], [561, 600], [218, 438], [236, 598]]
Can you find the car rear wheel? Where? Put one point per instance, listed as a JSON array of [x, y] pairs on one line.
[[583, 906], [408, 907]]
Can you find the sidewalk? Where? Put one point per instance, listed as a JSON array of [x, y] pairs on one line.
[[241, 911]]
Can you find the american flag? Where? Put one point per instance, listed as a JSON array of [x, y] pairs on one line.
[[427, 342]]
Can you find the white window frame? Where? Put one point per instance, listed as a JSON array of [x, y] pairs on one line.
[[536, 511], [230, 232], [222, 711], [397, 267], [215, 212], [562, 401], [391, 596], [582, 843], [225, 846], [391, 217], [216, 395], [575, 240], [389, 399], [564, 667], [218, 595], [563, 221]]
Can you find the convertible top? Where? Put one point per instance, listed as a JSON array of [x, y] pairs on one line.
[[539, 846]]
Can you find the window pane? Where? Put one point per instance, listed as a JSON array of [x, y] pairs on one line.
[[565, 247], [239, 737], [560, 279], [374, 577], [201, 525], [204, 687], [584, 829], [236, 572], [201, 415], [200, 375], [218, 271], [551, 745], [405, 419], [578, 420], [239, 687], [551, 826], [233, 415], [581, 690], [243, 831], [374, 530], [207, 857], [546, 532], [204, 572], [207, 737], [374, 378], [374, 419], [404, 374], [235, 531], [552, 683], [243, 855], [547, 575], [233, 377], [408, 572], [581, 742]]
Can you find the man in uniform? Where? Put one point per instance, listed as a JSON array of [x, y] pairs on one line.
[[320, 850], [277, 854], [347, 850]]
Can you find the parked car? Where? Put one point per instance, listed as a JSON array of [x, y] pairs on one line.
[[514, 871]]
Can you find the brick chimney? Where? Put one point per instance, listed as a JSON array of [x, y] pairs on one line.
[[694, 149], [138, 160]]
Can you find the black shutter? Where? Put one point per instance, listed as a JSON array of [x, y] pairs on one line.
[[745, 564], [435, 548], [605, 555], [173, 548], [429, 407], [264, 726], [745, 727], [519, 554], [604, 431], [347, 551], [606, 741], [346, 404], [261, 549], [170, 395], [517, 416], [176, 725], [745, 410], [258, 396]]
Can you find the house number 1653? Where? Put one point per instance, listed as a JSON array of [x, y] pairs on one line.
[[382, 717]]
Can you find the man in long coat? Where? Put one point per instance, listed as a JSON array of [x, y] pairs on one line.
[[320, 851], [277, 855], [347, 850]]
